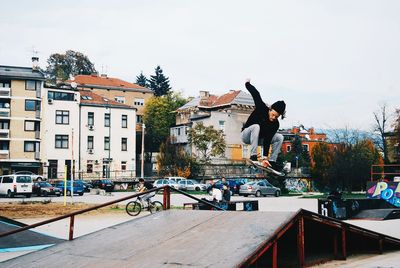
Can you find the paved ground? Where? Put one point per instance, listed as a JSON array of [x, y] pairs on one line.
[[86, 224]]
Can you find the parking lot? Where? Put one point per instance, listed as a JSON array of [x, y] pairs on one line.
[[268, 203]]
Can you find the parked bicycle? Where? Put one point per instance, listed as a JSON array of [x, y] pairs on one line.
[[134, 207]]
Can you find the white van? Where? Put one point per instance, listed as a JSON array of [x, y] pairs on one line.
[[12, 185]]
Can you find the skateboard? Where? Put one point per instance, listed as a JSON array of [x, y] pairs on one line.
[[267, 169]]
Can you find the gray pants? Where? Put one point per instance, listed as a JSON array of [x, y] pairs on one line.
[[250, 135]]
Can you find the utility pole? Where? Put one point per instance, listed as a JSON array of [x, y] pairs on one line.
[[142, 166]]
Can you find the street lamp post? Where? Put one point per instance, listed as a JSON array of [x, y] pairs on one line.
[[142, 163]]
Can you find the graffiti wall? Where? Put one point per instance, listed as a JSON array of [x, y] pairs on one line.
[[389, 191], [297, 185]]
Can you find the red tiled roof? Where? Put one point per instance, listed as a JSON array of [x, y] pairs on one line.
[[104, 81], [214, 101], [97, 99], [226, 98]]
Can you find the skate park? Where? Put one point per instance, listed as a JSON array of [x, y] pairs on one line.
[[203, 238]]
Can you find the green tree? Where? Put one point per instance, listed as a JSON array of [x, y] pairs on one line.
[[141, 80], [159, 117], [173, 160], [323, 161], [159, 83], [62, 66], [297, 155], [207, 141]]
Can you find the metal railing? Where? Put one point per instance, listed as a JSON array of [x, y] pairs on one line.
[[383, 171], [166, 205]]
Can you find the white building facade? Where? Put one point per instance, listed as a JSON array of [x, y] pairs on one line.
[[107, 138]]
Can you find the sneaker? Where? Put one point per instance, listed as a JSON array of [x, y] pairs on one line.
[[254, 160], [276, 168]]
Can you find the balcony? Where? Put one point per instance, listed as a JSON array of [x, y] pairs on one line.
[[4, 112], [4, 154], [5, 92], [4, 133]]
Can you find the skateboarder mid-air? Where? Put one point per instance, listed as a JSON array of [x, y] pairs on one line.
[[261, 128]]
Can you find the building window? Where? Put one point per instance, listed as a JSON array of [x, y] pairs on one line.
[[30, 105], [179, 131], [5, 83], [123, 165], [107, 119], [32, 85], [138, 102], [124, 121], [222, 126], [29, 146], [288, 148], [106, 143], [305, 147], [30, 125], [120, 99], [124, 144], [89, 167], [5, 125], [139, 119], [4, 145], [62, 141], [62, 117], [54, 95], [90, 119], [90, 142]]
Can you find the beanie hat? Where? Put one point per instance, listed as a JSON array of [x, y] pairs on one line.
[[279, 106]]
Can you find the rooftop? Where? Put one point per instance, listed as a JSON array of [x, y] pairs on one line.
[[14, 72], [104, 81]]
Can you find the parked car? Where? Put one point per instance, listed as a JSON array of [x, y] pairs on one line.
[[87, 186], [77, 187], [191, 185], [175, 179], [163, 182], [259, 188], [43, 188], [234, 185], [12, 185], [35, 177], [104, 184]]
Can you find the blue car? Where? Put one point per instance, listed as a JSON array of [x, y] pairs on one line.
[[78, 187], [234, 185]]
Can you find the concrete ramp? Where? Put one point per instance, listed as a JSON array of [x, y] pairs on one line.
[[23, 241], [378, 214], [178, 238]]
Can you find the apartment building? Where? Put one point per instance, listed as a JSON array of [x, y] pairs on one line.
[[309, 138], [60, 131], [20, 118], [118, 90], [107, 137], [227, 113]]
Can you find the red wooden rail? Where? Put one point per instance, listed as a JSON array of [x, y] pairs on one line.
[[166, 205]]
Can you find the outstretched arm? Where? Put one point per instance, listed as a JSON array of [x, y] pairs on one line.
[[254, 93]]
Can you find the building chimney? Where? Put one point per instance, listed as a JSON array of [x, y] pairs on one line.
[[103, 75], [35, 63], [204, 94]]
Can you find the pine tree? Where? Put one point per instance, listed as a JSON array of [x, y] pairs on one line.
[[159, 83], [141, 80]]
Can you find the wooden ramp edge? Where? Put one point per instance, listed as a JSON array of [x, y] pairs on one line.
[[213, 239]]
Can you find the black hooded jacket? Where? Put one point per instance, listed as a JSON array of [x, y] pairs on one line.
[[260, 116]]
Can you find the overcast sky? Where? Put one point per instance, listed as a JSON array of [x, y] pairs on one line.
[[333, 62]]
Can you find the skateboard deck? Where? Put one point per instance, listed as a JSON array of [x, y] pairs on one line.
[[267, 169]]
